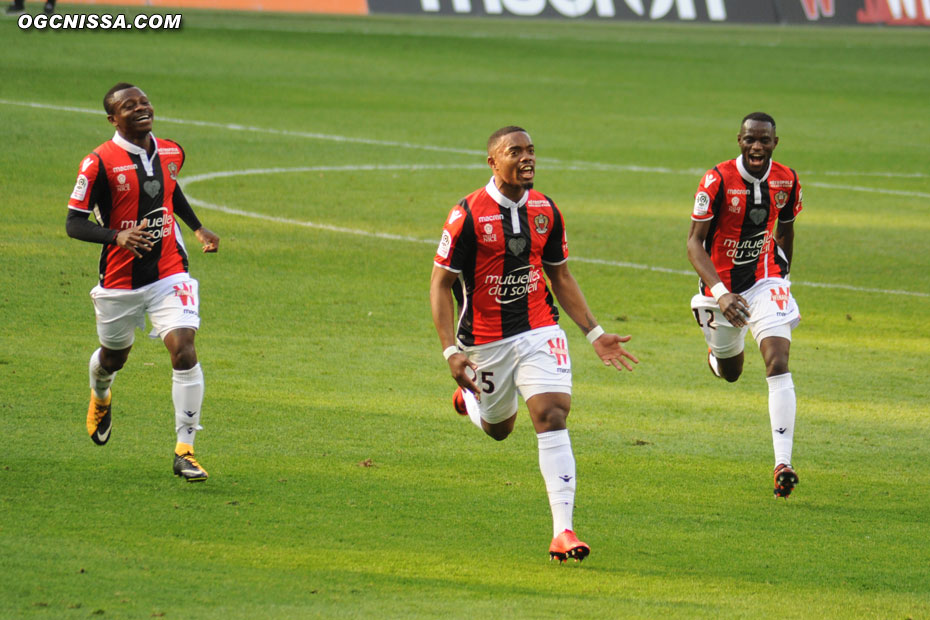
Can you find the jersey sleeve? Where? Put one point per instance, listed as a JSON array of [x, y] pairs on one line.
[[795, 202], [705, 195], [555, 251], [455, 243], [84, 188]]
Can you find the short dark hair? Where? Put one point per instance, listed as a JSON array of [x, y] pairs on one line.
[[762, 117], [108, 98], [503, 131]]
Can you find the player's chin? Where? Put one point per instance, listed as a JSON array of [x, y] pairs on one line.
[[527, 185]]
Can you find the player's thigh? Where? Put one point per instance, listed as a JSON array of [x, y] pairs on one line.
[[173, 303], [544, 364], [496, 365], [723, 339], [119, 312], [774, 311]]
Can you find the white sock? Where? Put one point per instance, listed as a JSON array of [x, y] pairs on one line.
[[782, 409], [557, 464], [100, 379], [187, 394], [471, 406]]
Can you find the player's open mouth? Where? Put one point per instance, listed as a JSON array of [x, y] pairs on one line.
[[527, 172], [756, 160]]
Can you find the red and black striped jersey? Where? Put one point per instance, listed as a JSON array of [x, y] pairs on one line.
[[122, 185], [743, 211], [498, 248]]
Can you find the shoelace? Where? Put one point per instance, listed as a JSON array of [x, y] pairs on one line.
[[190, 459]]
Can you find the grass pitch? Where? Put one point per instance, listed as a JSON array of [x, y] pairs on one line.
[[342, 483]]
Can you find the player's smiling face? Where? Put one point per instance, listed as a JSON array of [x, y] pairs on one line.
[[513, 161], [757, 141], [132, 113]]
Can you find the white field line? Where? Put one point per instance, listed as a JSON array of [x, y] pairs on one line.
[[392, 237], [574, 165], [569, 165]]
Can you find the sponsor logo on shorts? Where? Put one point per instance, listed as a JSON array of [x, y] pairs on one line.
[[185, 292], [558, 349], [780, 296]]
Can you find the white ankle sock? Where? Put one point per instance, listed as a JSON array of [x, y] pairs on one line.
[[471, 406], [187, 394], [100, 379], [782, 409], [557, 464]]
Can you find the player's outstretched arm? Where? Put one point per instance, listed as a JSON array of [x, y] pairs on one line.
[[609, 347], [208, 239]]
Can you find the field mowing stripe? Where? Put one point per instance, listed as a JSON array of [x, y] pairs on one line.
[[407, 238], [569, 165]]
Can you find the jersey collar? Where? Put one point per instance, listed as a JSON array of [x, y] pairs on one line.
[[502, 200], [507, 203], [749, 178], [129, 147]]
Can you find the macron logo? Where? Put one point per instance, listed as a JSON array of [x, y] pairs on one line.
[[709, 180], [86, 164], [455, 215]]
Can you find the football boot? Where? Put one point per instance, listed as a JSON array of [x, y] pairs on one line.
[[785, 480], [566, 545], [99, 421]]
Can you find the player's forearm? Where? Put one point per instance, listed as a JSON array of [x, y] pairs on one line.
[[702, 264], [184, 210], [79, 227], [571, 299], [785, 240]]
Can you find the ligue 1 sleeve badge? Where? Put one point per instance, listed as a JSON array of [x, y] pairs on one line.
[[541, 222]]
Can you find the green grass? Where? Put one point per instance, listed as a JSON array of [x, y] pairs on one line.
[[320, 356]]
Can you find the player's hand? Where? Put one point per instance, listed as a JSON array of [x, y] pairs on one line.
[[734, 308], [136, 239], [609, 348], [464, 371], [208, 239]]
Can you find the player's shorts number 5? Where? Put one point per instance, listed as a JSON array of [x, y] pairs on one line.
[[487, 386]]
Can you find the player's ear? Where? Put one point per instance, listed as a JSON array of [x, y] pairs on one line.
[[112, 119]]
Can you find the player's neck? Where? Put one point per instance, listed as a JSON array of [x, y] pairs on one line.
[[143, 141], [513, 192]]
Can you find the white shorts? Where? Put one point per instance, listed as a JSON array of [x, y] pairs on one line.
[[772, 312], [171, 303], [534, 362]]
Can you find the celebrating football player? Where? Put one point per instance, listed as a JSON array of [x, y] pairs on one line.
[[496, 246], [741, 244], [130, 185]]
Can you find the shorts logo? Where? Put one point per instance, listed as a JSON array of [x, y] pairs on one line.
[[559, 350], [542, 224], [781, 296], [173, 171], [186, 293]]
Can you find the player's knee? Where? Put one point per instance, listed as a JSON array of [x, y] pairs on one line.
[[497, 434], [777, 366], [184, 358]]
